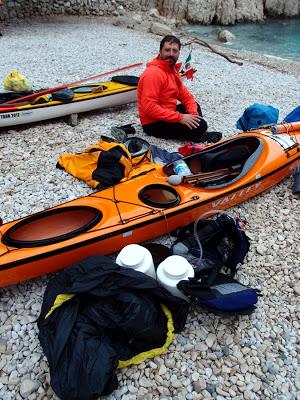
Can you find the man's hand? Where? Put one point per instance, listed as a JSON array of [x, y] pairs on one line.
[[191, 121]]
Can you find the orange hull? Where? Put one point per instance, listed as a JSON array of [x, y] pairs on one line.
[[145, 207]]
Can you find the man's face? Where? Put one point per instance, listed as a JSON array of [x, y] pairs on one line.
[[170, 51]]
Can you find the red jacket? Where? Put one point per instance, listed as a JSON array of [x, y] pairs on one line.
[[159, 88]]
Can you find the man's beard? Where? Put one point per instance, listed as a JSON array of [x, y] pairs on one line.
[[171, 60]]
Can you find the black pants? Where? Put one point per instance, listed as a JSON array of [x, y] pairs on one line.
[[176, 130]]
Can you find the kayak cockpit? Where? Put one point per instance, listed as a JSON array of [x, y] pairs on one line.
[[222, 164], [52, 226], [80, 90]]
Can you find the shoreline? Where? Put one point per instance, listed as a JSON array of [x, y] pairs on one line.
[[280, 64], [223, 357], [285, 65]]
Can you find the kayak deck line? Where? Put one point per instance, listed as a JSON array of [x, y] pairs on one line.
[[143, 208], [67, 85], [162, 216], [114, 94], [59, 103]]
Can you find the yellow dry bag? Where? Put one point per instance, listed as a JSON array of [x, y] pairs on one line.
[[16, 82]]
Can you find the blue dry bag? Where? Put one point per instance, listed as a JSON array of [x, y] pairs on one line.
[[293, 116], [256, 116]]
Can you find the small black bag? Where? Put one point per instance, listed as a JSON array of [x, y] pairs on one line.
[[63, 95]]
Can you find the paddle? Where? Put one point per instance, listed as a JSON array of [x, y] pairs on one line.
[[54, 89], [210, 176]]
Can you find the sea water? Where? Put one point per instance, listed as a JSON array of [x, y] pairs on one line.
[[280, 38]]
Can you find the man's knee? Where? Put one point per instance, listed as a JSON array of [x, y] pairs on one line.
[[180, 108], [202, 126]]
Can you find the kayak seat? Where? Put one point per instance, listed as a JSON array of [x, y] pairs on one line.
[[240, 154], [245, 155], [225, 158]]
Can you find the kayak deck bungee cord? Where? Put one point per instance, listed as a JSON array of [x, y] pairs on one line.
[[88, 97], [149, 205]]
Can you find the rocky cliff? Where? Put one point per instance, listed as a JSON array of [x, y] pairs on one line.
[[227, 11], [192, 11]]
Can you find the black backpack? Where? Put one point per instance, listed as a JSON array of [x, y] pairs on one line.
[[223, 245]]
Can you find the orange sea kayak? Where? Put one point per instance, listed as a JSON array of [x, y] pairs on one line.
[[148, 206]]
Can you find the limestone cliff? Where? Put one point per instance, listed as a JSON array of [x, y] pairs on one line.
[[227, 11], [193, 11]]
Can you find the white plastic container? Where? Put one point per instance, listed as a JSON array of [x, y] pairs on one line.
[[137, 257], [181, 168], [173, 270]]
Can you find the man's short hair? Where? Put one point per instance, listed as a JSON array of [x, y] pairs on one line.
[[169, 39]]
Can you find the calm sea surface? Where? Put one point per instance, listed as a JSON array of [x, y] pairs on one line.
[[280, 38]]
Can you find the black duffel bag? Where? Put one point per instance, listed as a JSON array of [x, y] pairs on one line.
[[63, 95]]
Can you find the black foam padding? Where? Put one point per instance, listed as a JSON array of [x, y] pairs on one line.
[[131, 80]]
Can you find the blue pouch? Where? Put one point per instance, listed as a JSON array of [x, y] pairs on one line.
[[225, 295]]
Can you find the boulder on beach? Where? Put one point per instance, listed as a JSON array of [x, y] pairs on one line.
[[160, 29], [225, 36]]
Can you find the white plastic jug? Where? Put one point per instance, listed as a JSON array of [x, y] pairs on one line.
[[172, 270], [137, 257]]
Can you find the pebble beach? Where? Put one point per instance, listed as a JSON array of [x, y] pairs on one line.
[[215, 357]]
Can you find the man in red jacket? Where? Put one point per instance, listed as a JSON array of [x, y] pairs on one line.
[[160, 87]]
